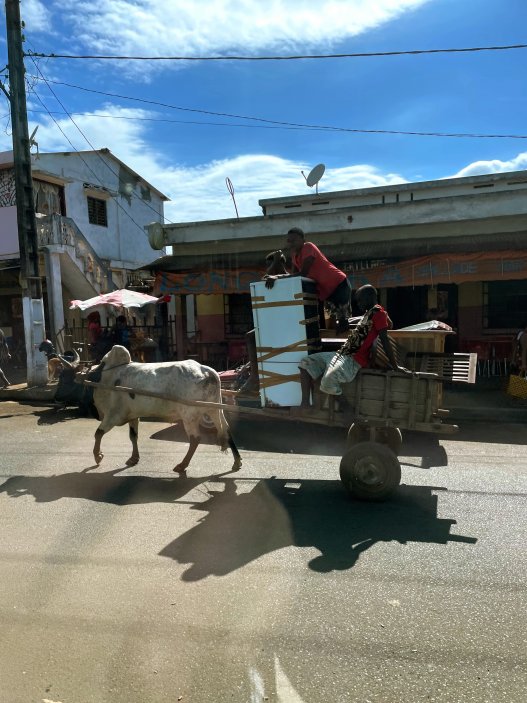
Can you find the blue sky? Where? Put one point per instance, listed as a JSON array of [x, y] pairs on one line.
[[481, 92]]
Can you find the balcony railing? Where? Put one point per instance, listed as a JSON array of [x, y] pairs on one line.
[[56, 230]]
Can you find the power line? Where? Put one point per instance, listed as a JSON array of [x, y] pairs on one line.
[[90, 144], [160, 119], [296, 125], [297, 57]]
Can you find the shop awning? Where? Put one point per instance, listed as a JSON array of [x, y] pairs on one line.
[[224, 281], [445, 268]]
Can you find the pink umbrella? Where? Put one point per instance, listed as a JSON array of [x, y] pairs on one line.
[[118, 298]]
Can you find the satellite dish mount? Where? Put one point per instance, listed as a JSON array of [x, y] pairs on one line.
[[314, 176]]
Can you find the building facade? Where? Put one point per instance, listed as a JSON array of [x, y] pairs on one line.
[[453, 249], [91, 212]]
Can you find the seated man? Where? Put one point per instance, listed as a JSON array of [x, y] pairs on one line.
[[342, 367]]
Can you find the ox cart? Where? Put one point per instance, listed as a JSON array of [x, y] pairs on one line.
[[373, 409], [376, 406]]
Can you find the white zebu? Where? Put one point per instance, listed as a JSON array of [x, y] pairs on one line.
[[187, 380]]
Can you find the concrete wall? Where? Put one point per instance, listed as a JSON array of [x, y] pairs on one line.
[[210, 317], [8, 233], [130, 204]]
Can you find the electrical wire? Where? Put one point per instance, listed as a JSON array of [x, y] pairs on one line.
[[92, 147], [297, 125], [369, 54]]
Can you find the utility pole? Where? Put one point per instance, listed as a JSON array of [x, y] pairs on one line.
[[30, 281]]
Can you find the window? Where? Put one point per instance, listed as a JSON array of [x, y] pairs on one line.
[[97, 212], [238, 314], [505, 304]]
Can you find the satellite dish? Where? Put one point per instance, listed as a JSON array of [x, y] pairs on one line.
[[156, 236], [315, 175]]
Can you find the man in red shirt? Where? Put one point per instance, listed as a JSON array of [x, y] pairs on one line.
[[342, 367], [332, 284]]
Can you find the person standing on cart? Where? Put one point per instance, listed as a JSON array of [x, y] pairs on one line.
[[308, 261], [342, 367]]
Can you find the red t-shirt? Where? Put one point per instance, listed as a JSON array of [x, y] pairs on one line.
[[322, 271], [378, 322]]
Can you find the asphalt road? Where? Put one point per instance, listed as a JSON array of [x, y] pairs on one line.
[[130, 585]]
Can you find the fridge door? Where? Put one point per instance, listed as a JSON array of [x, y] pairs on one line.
[[280, 384], [285, 319]]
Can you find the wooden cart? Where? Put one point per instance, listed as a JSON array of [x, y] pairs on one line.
[[374, 409]]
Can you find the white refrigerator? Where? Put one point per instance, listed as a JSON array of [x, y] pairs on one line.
[[287, 329]]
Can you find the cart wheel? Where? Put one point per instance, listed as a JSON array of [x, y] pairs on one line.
[[357, 433], [391, 437], [206, 423], [370, 471]]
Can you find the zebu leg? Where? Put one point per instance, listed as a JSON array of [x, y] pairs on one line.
[[236, 454], [225, 438], [97, 454], [193, 445], [133, 433]]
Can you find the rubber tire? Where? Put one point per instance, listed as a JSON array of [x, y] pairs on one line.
[[357, 433], [390, 437], [368, 459]]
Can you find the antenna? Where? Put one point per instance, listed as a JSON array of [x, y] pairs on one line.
[[230, 188], [315, 175], [32, 141]]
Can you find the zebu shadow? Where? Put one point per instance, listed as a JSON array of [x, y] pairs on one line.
[[239, 527], [264, 435], [107, 487]]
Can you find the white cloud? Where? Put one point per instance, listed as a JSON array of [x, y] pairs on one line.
[[36, 15], [196, 192], [190, 27], [478, 168], [201, 193]]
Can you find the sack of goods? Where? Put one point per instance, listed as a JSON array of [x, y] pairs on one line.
[[517, 386]]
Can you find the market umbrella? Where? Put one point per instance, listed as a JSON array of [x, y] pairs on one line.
[[118, 298]]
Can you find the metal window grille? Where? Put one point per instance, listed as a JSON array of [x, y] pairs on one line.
[[97, 212]]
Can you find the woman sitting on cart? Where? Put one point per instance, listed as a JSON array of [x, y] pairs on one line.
[[342, 367]]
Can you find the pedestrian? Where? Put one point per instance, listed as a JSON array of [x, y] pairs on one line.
[[342, 367], [121, 332], [519, 351], [5, 356], [333, 287]]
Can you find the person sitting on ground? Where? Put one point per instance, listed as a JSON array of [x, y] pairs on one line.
[[342, 367], [333, 287], [5, 356]]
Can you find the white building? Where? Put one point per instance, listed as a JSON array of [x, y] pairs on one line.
[[92, 210]]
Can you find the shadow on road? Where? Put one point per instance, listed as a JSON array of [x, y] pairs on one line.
[[317, 440], [105, 487], [241, 527]]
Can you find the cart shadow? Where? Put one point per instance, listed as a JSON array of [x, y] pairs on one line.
[[316, 440], [241, 527]]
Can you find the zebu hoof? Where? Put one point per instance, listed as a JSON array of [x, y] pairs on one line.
[[180, 469], [132, 461], [98, 457], [237, 465]]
